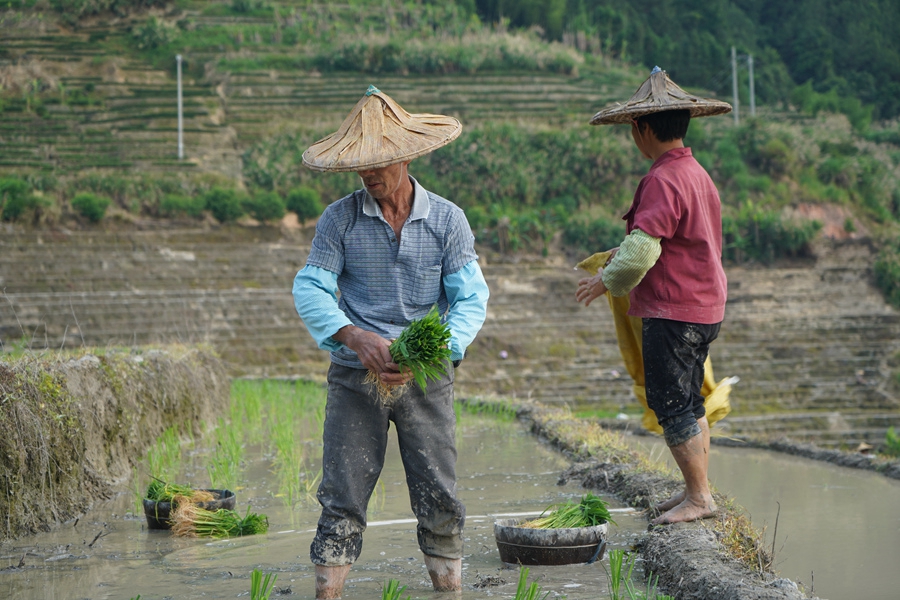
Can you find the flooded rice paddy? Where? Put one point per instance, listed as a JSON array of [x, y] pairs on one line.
[[110, 554], [838, 530]]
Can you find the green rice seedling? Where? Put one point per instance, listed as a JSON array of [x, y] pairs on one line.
[[892, 442], [224, 465], [392, 590], [261, 586], [526, 591], [164, 457], [591, 511], [619, 572], [422, 349]]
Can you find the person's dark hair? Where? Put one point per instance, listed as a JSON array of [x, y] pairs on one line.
[[667, 125]]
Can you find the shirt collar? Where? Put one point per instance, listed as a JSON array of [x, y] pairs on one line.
[[670, 155], [420, 206]]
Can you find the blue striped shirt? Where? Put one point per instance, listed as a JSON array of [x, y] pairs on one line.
[[385, 284]]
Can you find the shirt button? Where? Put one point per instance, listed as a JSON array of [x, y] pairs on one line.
[[391, 322]]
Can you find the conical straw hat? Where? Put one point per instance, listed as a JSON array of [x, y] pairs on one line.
[[378, 133], [656, 94]]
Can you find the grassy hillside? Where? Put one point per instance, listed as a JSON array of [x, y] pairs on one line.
[[88, 122]]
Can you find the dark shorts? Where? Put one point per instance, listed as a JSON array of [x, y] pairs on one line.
[[354, 444], [674, 354]]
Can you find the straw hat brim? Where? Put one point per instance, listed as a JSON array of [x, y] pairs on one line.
[[378, 133], [657, 94]]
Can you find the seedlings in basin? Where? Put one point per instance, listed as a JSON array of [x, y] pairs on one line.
[[423, 349], [591, 511], [160, 491]]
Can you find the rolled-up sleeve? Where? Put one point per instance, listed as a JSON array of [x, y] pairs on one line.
[[467, 293], [315, 298]]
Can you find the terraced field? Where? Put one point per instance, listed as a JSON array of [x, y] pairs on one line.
[[116, 112], [814, 344]]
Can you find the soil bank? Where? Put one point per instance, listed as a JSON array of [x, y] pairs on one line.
[[72, 429]]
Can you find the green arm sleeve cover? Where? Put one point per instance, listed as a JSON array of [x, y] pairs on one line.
[[637, 253]]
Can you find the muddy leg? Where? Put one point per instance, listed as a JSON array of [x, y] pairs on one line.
[[446, 573], [678, 498], [330, 581], [692, 458]]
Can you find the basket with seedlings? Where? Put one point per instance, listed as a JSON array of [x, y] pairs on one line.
[[197, 512], [422, 349], [565, 533]]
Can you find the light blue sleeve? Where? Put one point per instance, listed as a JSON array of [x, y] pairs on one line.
[[315, 298], [468, 293]]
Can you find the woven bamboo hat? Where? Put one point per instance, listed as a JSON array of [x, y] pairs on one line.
[[378, 133], [659, 93]]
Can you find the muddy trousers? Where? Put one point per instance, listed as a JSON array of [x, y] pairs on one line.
[[674, 353], [355, 442]]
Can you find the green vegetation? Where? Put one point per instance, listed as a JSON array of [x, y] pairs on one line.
[[90, 206], [423, 348], [305, 202], [591, 511], [892, 442], [392, 590], [261, 586], [528, 591], [621, 584], [528, 181]]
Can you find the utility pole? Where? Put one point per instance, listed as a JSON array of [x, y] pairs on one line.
[[181, 111], [734, 86], [752, 92]]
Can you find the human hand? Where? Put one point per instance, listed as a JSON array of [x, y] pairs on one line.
[[590, 288], [374, 354]]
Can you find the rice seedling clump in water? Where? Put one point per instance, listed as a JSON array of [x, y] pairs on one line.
[[423, 348], [591, 511], [189, 520]]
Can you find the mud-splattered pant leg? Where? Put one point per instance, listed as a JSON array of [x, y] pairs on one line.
[[355, 441], [674, 353], [426, 430]]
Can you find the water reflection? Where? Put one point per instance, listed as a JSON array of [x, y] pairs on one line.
[[838, 531], [502, 469]]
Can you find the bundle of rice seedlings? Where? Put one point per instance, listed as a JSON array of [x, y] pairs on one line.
[[189, 520], [591, 511], [160, 491], [423, 348]]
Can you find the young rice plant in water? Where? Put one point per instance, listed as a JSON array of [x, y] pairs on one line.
[[392, 590], [526, 591], [261, 586]]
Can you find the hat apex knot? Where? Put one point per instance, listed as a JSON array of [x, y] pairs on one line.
[[372, 90]]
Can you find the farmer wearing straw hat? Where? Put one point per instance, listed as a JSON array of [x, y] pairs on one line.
[[670, 263], [394, 250]]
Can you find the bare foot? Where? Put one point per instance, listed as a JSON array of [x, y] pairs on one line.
[[671, 503], [686, 511]]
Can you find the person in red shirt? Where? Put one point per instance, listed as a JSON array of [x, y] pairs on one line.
[[670, 264]]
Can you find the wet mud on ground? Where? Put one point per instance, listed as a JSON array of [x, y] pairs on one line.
[[110, 554]]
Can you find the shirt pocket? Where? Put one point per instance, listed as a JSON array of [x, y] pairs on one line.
[[426, 288]]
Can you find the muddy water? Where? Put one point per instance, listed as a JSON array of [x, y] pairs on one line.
[[838, 530], [502, 470]]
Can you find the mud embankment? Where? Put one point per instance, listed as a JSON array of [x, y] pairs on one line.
[[722, 558], [72, 429]]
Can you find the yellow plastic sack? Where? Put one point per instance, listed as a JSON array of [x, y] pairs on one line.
[[628, 335]]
